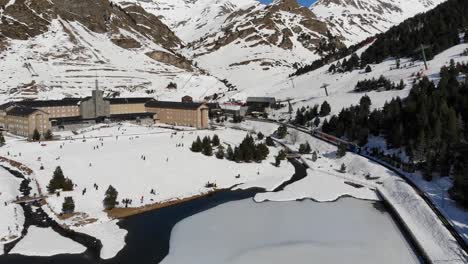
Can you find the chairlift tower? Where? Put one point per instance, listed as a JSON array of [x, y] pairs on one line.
[[423, 48], [325, 86]]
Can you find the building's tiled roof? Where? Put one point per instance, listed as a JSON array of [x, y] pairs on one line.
[[129, 100], [21, 111], [6, 105], [270, 100], [174, 105], [46, 103]]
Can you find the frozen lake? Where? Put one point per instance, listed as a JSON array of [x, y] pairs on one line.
[[346, 231], [228, 227]]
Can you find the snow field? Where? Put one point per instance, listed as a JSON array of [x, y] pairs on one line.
[[172, 172], [428, 230], [46, 242], [11, 215]]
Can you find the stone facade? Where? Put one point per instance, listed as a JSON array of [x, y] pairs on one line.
[[95, 107], [180, 114], [22, 118], [24, 122]]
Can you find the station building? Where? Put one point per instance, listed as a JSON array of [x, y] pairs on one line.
[[23, 117]]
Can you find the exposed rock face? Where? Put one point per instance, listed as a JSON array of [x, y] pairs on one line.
[[273, 25], [126, 43], [26, 18], [171, 59]]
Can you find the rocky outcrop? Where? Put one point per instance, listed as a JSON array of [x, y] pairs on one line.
[[272, 25], [171, 59], [25, 19]]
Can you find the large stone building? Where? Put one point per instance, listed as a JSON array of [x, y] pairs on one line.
[[180, 113], [23, 121], [22, 118]]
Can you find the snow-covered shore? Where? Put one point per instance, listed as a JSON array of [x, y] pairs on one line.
[[113, 155], [11, 214], [436, 241], [46, 242]]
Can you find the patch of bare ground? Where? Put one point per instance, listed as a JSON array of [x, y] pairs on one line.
[[119, 213]]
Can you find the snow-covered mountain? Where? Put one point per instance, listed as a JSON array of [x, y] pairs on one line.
[[356, 20], [56, 48], [193, 19], [52, 48], [233, 38]]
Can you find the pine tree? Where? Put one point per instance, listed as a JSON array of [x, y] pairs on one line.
[[57, 181], [36, 136], [48, 135], [304, 148], [314, 156], [215, 140], [299, 120], [262, 152], [260, 136], [317, 121], [197, 145], [2, 139], [238, 157], [308, 149], [325, 109], [368, 69], [282, 155], [110, 199], [341, 152], [207, 149], [281, 132], [67, 185], [343, 168], [229, 153], [68, 205], [269, 141], [220, 152], [277, 161]]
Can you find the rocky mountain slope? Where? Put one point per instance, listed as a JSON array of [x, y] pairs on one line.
[[53, 48], [356, 20], [231, 39]]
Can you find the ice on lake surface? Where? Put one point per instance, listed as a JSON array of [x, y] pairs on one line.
[[346, 231]]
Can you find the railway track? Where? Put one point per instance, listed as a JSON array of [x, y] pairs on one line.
[[446, 222]]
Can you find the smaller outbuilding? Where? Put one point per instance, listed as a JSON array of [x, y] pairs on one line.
[[260, 104]]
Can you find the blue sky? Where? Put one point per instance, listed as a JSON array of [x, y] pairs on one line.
[[303, 2]]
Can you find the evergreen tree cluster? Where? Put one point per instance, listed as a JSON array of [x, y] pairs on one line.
[[438, 28], [305, 148], [248, 151], [333, 55], [59, 181], [305, 115], [311, 115], [430, 125], [281, 132], [351, 123], [347, 65], [380, 84], [206, 145]]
